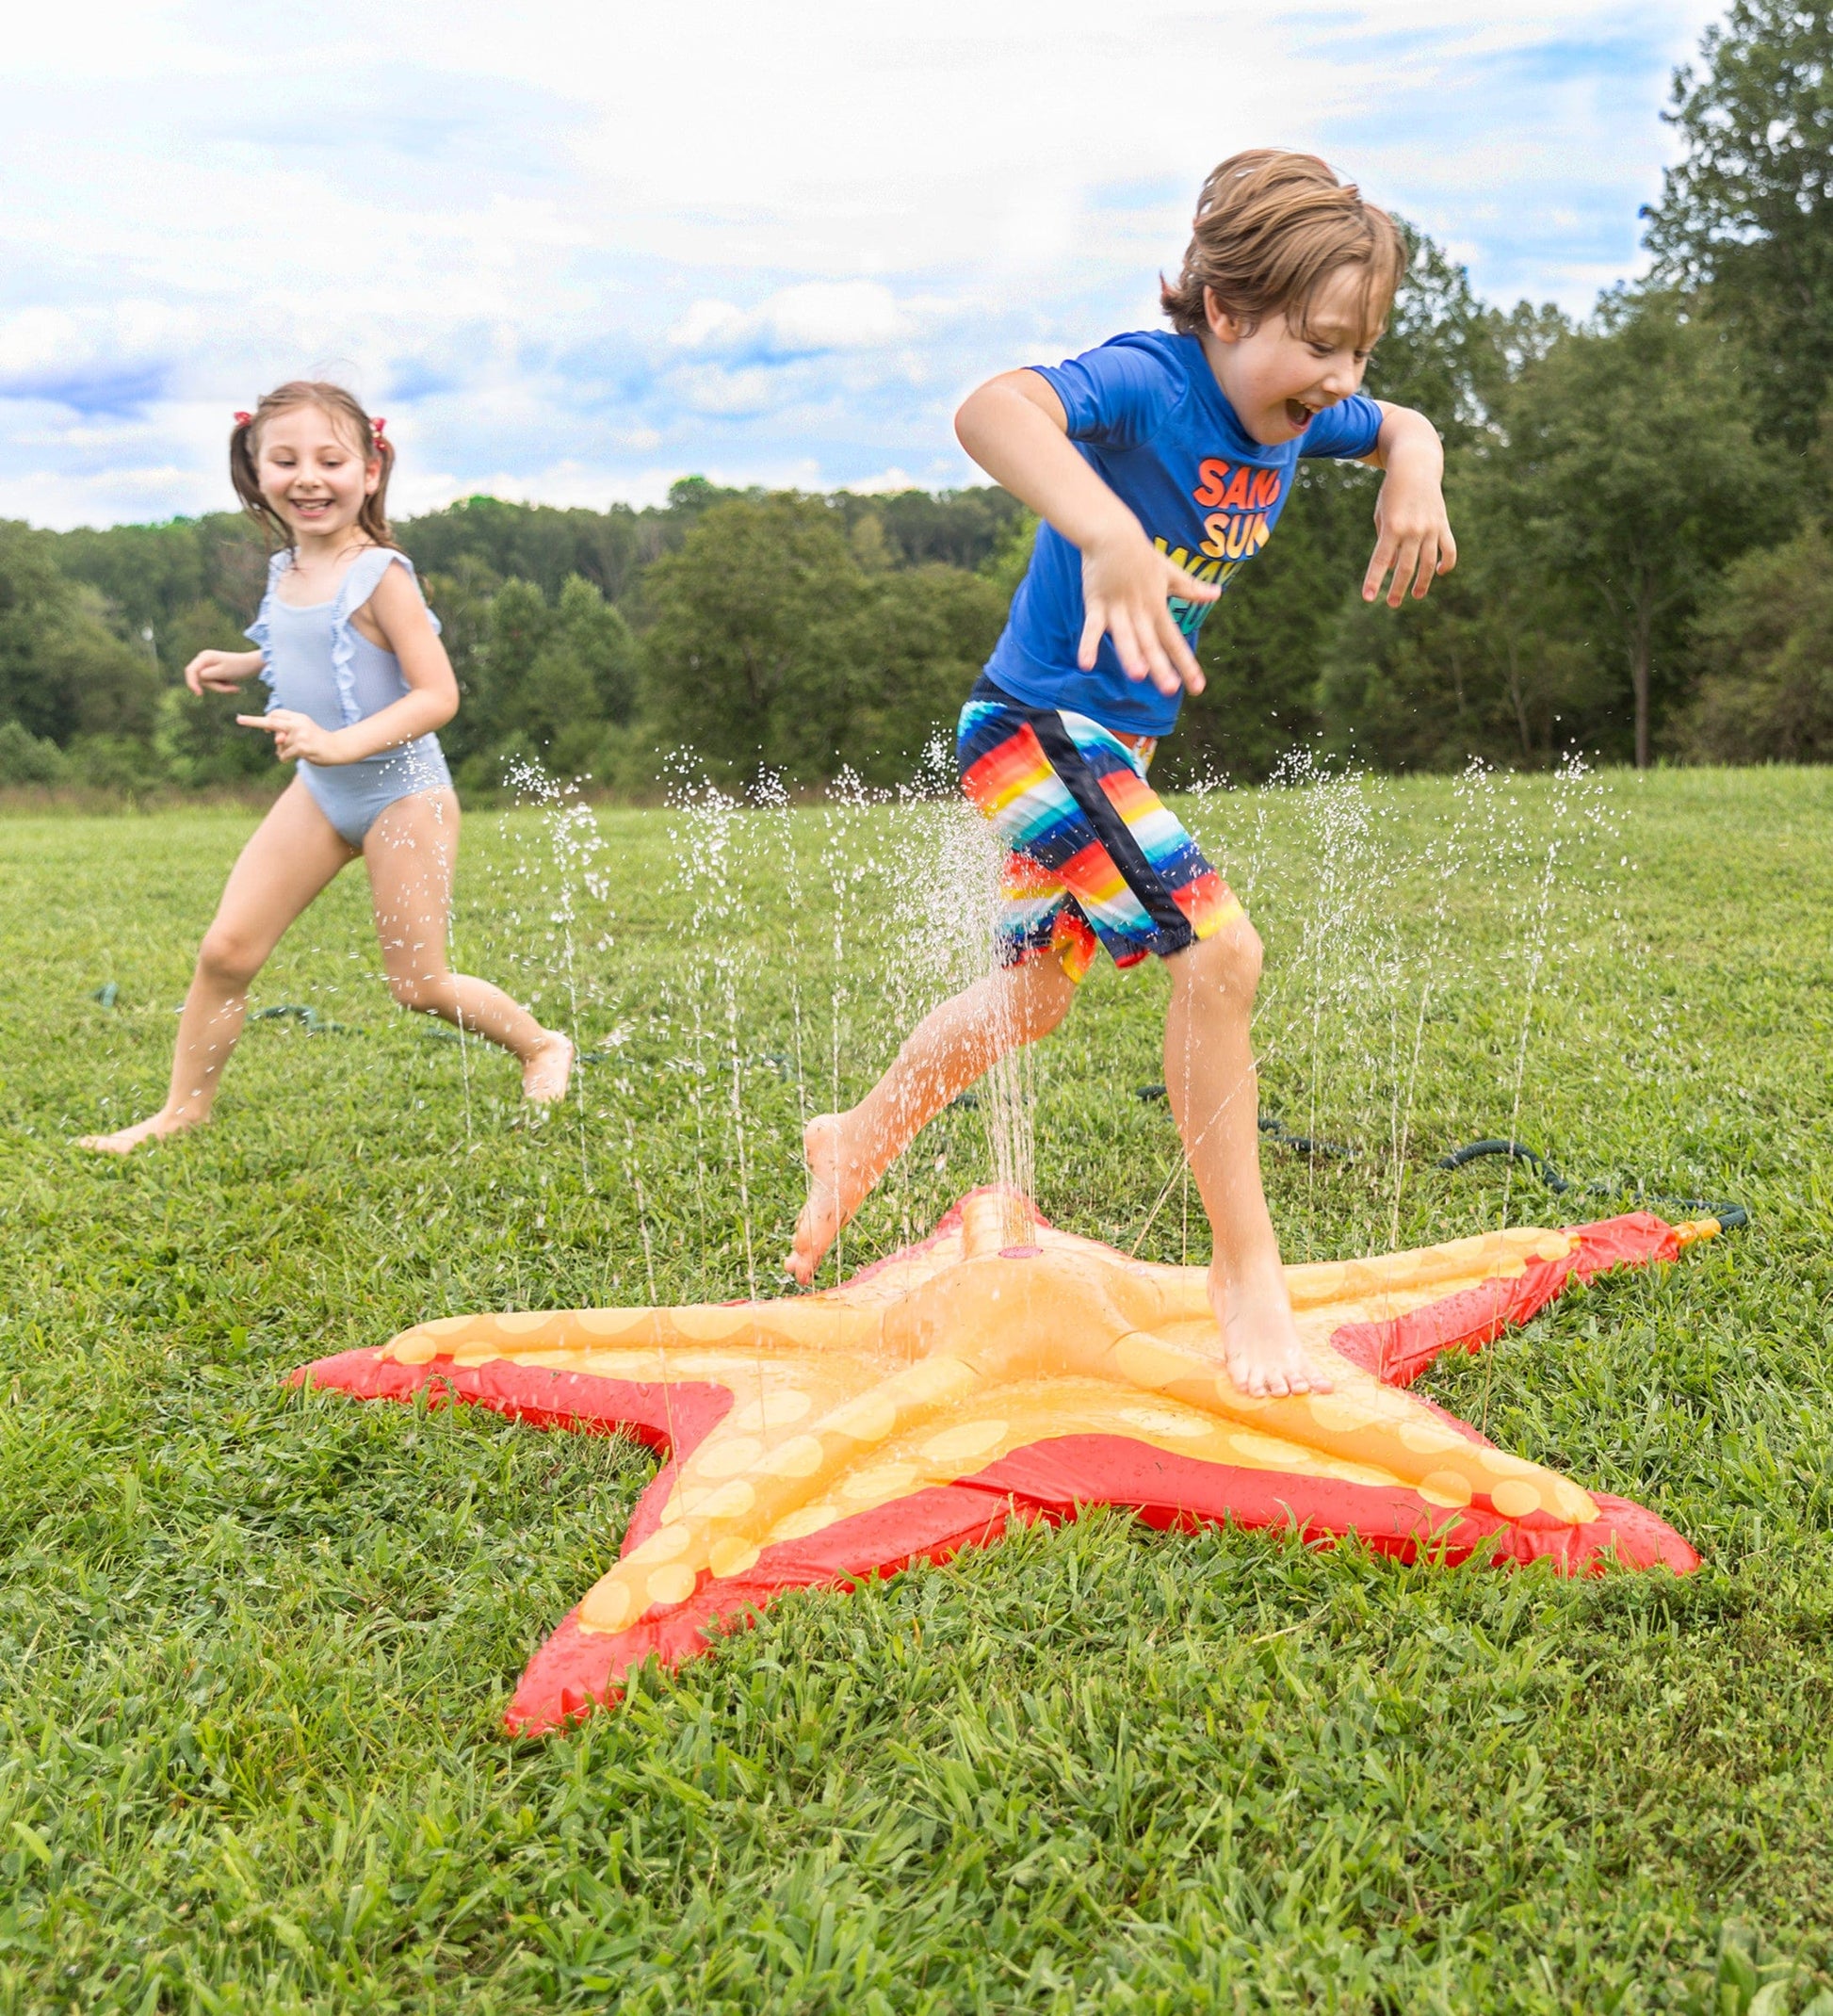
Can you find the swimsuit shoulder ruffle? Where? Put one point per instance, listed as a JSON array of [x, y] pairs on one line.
[[360, 583]]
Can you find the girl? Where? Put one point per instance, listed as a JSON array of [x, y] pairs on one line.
[[359, 684]]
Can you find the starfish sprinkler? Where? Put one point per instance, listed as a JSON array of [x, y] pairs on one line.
[[1003, 1369]]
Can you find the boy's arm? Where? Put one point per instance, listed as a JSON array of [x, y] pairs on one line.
[[1413, 535], [1016, 428]]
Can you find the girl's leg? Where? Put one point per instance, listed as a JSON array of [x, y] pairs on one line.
[[293, 853], [1215, 1098], [951, 1046], [412, 854]]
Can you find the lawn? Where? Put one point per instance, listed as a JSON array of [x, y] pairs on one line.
[[258, 1642]]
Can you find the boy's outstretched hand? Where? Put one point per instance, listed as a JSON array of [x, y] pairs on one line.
[[1413, 534], [1127, 587], [1014, 427]]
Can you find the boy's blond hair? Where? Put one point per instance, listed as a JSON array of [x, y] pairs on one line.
[[1270, 227]]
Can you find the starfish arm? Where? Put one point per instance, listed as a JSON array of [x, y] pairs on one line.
[[1397, 1344], [580, 1666]]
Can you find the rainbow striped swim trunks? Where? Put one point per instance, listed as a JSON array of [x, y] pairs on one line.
[[1094, 857]]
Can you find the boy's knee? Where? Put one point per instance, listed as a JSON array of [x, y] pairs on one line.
[[1044, 993], [1227, 963], [1055, 988]]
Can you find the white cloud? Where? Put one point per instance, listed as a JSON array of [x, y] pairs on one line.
[[815, 317], [612, 241], [887, 482], [711, 388]]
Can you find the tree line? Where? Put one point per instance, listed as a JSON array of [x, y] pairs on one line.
[[1642, 498]]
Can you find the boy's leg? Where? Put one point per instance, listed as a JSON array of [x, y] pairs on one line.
[[951, 1046], [1214, 1094], [288, 859], [411, 853], [1145, 887]]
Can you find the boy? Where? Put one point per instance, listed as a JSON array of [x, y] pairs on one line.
[[1159, 465]]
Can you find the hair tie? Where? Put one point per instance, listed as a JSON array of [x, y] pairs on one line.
[[377, 425], [242, 420]]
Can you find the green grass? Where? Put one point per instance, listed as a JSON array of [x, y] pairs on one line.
[[257, 1643]]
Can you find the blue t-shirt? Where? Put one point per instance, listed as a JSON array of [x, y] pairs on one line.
[[1149, 418]]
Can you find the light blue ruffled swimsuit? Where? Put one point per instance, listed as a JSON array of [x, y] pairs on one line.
[[317, 662]]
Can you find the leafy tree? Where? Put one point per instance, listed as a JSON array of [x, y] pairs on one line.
[[1748, 213], [1495, 663], [63, 671], [536, 678], [156, 578], [1438, 352], [27, 759], [753, 646], [582, 675], [921, 639], [517, 629], [1765, 642], [195, 736], [1635, 474], [872, 550], [531, 542], [1006, 565], [462, 599], [146, 573], [921, 527]]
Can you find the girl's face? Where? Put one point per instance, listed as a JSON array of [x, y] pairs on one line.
[[1277, 380], [311, 473]]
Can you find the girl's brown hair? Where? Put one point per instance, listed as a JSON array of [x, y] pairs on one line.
[[344, 413], [1270, 227]]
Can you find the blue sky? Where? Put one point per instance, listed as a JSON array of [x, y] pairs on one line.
[[576, 251]]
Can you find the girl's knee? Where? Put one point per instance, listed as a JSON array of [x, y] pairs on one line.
[[423, 993], [228, 960]]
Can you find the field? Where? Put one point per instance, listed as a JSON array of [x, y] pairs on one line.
[[257, 1643]]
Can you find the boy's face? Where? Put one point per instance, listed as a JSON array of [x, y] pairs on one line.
[[1277, 380]]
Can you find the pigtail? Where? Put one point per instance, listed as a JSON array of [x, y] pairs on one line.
[[246, 480], [373, 517]]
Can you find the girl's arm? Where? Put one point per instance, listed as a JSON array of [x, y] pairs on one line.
[[221, 672], [1014, 427], [398, 619], [1413, 534]]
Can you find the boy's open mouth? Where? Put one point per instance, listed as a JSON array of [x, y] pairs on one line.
[[1299, 414]]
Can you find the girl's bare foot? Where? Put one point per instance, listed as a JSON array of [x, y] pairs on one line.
[[127, 1139], [1259, 1341], [547, 1073], [839, 1183]]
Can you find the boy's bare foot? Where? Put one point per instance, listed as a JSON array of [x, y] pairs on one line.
[[547, 1073], [1259, 1342], [125, 1140], [838, 1182]]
